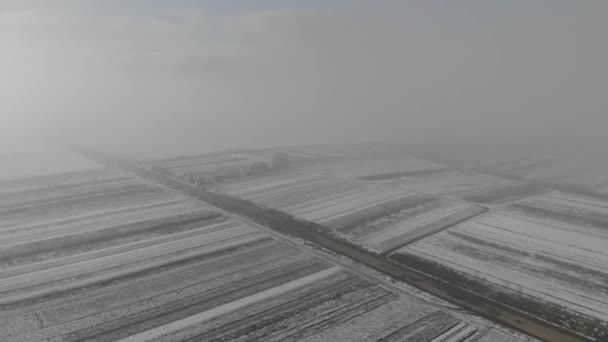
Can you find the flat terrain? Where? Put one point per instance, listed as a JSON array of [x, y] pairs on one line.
[[366, 167], [258, 289], [546, 253], [413, 223], [195, 167], [465, 185], [78, 212], [587, 174], [377, 217], [136, 253], [103, 255], [504, 238]]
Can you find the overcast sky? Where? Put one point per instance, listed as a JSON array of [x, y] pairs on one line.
[[182, 76]]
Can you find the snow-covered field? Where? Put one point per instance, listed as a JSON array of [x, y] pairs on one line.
[[304, 154], [588, 174], [101, 255], [335, 202], [415, 223], [374, 216], [191, 168], [463, 185], [196, 167], [266, 291], [569, 208], [535, 248], [80, 211], [355, 168]]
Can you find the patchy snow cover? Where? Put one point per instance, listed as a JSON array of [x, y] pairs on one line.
[[355, 168], [462, 185], [314, 197], [168, 272], [557, 262], [557, 201], [229, 307], [40, 212], [585, 173], [414, 227], [341, 203]]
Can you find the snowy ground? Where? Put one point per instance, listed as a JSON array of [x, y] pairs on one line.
[[546, 247], [418, 222], [588, 174], [198, 166], [375, 216], [328, 200], [72, 213], [535, 247], [356, 168], [463, 185], [101, 255]]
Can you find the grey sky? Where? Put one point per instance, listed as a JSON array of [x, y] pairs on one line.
[[168, 76]]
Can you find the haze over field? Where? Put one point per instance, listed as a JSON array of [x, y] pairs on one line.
[[152, 78], [346, 170]]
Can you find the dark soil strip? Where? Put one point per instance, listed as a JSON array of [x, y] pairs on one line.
[[291, 320], [48, 189], [376, 212], [424, 329], [72, 200], [186, 307], [415, 173], [93, 216], [588, 326], [588, 219], [73, 244], [558, 264], [341, 315], [436, 227], [531, 166], [511, 193], [418, 201], [266, 322], [153, 270], [196, 162], [562, 187]]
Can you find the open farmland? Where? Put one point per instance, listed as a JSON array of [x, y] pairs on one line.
[[568, 208], [586, 174], [78, 212], [103, 255], [412, 223], [335, 202], [545, 255], [260, 290], [308, 154], [374, 216], [394, 213], [464, 185], [363, 167], [192, 168]]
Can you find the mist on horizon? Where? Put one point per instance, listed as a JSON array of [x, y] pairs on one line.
[[153, 79]]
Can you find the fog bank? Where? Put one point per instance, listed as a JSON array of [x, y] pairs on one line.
[[159, 78]]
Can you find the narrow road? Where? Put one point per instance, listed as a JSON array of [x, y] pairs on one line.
[[320, 235]]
